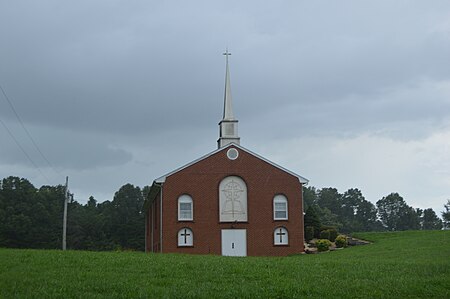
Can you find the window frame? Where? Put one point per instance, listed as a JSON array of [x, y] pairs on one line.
[[180, 231], [275, 236], [185, 198], [280, 198]]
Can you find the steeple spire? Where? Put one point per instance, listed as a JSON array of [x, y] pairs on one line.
[[228, 126], [228, 102]]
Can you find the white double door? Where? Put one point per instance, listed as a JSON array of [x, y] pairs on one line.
[[234, 242]]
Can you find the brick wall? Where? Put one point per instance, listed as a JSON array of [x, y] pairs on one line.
[[201, 181]]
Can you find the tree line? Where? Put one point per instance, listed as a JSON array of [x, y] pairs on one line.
[[351, 212], [31, 217]]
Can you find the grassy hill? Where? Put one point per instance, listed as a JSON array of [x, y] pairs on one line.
[[413, 264]]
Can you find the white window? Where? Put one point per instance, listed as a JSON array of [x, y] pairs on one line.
[[280, 236], [185, 237], [232, 153], [185, 210], [280, 208]]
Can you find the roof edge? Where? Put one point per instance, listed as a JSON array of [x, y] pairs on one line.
[[162, 179]]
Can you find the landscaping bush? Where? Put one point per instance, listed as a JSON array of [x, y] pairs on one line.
[[309, 233], [323, 244], [327, 227], [325, 234], [341, 241], [333, 234]]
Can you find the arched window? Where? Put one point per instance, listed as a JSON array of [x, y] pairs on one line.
[[280, 236], [280, 207], [232, 200], [185, 237], [185, 208]]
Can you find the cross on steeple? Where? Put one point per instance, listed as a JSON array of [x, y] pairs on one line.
[[227, 53]]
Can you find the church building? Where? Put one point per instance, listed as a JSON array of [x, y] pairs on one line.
[[229, 202]]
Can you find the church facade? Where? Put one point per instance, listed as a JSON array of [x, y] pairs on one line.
[[229, 202]]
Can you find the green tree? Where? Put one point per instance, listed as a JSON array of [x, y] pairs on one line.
[[431, 220], [329, 198], [309, 197], [357, 214], [125, 218], [419, 213], [47, 230], [87, 227], [30, 218], [312, 219], [327, 218], [16, 209], [446, 215], [395, 214]]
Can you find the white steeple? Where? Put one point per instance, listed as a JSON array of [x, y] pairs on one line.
[[228, 126], [228, 102]]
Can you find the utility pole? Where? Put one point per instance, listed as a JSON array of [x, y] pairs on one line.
[[66, 200]]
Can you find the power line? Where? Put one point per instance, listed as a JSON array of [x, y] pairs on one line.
[[26, 131], [23, 150]]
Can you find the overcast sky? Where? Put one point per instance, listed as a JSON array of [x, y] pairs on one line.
[[349, 94]]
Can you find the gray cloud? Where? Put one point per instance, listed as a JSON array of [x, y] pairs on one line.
[[65, 149], [113, 88]]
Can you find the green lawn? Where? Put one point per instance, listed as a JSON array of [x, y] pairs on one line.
[[397, 265]]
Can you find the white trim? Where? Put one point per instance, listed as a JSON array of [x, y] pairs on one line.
[[162, 179]]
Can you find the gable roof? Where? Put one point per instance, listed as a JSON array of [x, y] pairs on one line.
[[162, 179]]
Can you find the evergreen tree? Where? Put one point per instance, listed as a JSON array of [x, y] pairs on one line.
[[309, 197], [312, 219], [431, 220]]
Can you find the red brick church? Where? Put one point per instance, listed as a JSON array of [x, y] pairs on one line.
[[229, 202]]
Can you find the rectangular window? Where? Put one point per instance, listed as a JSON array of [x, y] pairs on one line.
[[185, 211], [280, 210]]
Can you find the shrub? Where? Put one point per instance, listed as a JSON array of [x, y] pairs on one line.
[[323, 244], [341, 241], [327, 227], [325, 234], [333, 234], [309, 233]]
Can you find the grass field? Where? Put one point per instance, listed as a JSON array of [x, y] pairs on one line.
[[413, 264]]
